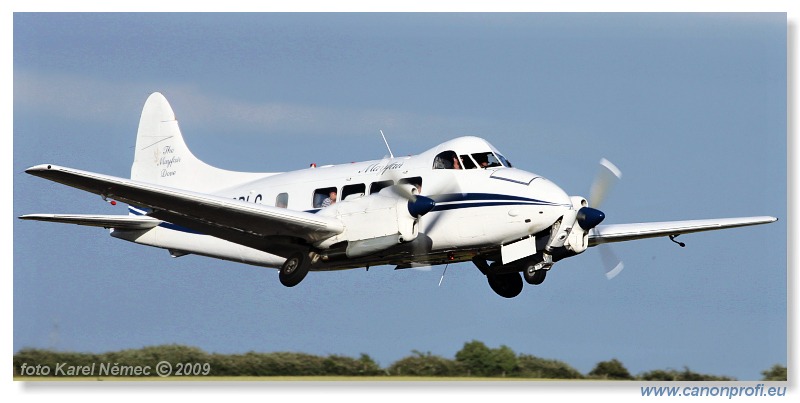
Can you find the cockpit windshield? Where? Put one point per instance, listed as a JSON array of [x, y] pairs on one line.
[[489, 160], [505, 162], [451, 160]]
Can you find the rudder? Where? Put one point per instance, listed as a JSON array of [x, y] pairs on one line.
[[162, 157]]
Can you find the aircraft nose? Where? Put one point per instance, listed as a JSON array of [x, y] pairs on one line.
[[548, 192]]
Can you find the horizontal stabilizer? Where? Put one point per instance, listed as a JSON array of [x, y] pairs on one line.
[[628, 232], [237, 221], [95, 220]]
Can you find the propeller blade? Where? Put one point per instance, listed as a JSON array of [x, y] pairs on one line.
[[406, 193], [613, 265], [608, 175], [589, 217]]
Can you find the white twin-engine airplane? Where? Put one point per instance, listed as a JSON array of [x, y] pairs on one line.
[[459, 201]]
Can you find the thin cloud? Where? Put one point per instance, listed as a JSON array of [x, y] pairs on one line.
[[98, 100]]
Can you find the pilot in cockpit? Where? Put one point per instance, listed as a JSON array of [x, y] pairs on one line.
[[481, 159], [446, 160]]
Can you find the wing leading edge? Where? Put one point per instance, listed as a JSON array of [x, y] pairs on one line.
[[262, 227], [628, 232]]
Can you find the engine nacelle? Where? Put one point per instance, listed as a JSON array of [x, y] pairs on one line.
[[578, 238], [372, 223]]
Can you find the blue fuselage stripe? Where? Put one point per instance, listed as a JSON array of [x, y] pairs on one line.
[[444, 202], [445, 207]]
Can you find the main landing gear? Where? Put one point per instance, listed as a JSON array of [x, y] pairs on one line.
[[294, 269], [506, 285], [506, 280]]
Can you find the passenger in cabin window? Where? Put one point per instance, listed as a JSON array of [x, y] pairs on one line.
[[331, 199]]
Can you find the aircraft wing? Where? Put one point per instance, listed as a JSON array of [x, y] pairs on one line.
[[628, 232], [271, 229], [93, 220]]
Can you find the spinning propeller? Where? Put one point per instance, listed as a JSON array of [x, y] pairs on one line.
[[589, 217], [419, 205]]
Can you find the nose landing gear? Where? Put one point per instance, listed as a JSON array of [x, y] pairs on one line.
[[534, 276], [536, 271]]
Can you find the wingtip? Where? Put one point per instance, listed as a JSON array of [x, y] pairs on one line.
[[39, 168], [768, 219]]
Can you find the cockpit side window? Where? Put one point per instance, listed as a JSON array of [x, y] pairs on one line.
[[486, 160], [467, 162], [504, 161], [446, 160]]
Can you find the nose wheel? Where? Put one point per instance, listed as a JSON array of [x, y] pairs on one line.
[[535, 273], [533, 276]]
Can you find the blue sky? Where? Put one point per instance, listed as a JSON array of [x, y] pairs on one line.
[[691, 107]]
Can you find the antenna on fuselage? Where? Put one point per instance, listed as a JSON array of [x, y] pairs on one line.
[[387, 144]]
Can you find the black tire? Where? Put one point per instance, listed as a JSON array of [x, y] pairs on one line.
[[506, 285], [534, 277], [294, 269]]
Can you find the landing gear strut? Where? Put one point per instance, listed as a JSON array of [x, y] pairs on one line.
[[294, 269]]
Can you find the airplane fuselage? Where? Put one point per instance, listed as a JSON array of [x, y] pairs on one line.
[[476, 209]]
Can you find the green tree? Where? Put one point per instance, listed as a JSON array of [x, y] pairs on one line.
[[612, 369], [474, 358], [685, 375], [659, 375], [368, 366], [777, 373], [478, 360], [423, 364], [534, 367]]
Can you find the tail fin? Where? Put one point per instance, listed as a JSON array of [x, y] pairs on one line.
[[162, 156]]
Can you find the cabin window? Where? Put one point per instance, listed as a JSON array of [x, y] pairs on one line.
[[446, 160], [416, 181], [282, 200], [376, 187], [486, 160], [324, 197], [467, 163], [353, 191]]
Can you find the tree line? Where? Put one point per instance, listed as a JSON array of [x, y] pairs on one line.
[[474, 359]]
